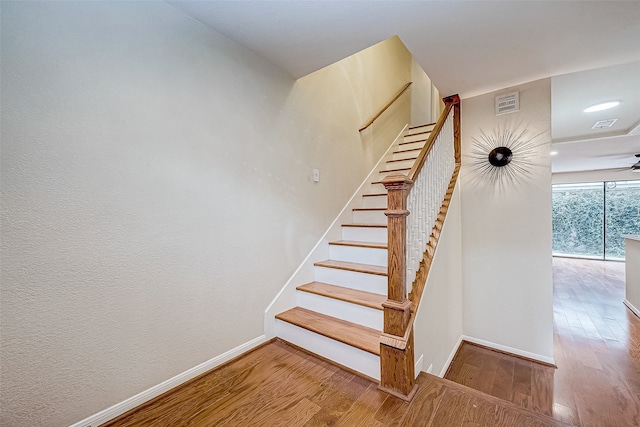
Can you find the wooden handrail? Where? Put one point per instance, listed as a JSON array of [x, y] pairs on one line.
[[373, 119], [396, 342], [450, 102]]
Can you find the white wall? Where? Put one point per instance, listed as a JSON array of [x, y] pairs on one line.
[[594, 176], [632, 273], [438, 325], [506, 231], [156, 193]]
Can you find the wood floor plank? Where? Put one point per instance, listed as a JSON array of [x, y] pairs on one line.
[[454, 412], [363, 410], [391, 412], [331, 386], [338, 403], [541, 391], [521, 389], [425, 404], [296, 414], [503, 382], [272, 395], [481, 413], [177, 404]]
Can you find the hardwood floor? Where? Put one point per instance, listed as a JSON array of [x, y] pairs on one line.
[[597, 382], [596, 348], [279, 385]]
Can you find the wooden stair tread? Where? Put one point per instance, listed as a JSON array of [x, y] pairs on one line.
[[395, 170], [402, 160], [375, 245], [353, 266], [412, 142], [369, 209], [374, 194], [352, 334], [354, 296], [406, 151], [419, 126], [419, 133], [365, 225]]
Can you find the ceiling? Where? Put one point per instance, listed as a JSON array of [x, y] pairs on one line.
[[578, 146], [470, 48]]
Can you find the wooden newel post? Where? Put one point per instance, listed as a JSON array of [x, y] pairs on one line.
[[397, 376], [454, 100]]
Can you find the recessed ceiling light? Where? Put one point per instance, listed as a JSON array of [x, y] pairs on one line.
[[553, 153], [602, 106]]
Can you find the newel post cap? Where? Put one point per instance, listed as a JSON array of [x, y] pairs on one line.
[[397, 182]]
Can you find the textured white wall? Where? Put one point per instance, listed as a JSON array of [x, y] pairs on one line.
[[156, 193], [506, 231], [439, 318]]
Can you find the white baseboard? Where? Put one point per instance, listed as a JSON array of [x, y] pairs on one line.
[[507, 349], [451, 356], [142, 397], [632, 307]]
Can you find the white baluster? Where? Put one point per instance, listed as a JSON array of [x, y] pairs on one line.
[[426, 197]]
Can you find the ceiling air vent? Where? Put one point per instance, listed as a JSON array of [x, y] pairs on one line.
[[603, 124], [507, 103]]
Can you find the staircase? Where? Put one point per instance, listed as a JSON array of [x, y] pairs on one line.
[[339, 315]]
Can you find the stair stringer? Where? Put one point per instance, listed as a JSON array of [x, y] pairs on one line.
[[286, 297], [438, 322]]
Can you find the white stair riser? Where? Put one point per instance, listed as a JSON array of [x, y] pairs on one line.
[[369, 217], [405, 155], [423, 128], [377, 188], [365, 234], [384, 174], [358, 254], [365, 316], [411, 146], [374, 201], [351, 357], [416, 137], [352, 279], [402, 164]]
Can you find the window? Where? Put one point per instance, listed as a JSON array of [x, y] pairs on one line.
[[590, 219]]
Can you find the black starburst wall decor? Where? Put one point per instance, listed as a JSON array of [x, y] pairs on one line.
[[504, 155]]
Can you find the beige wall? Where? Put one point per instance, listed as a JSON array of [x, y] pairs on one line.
[[157, 193], [422, 89], [506, 231]]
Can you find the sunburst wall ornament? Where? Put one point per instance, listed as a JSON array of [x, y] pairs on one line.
[[504, 155]]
